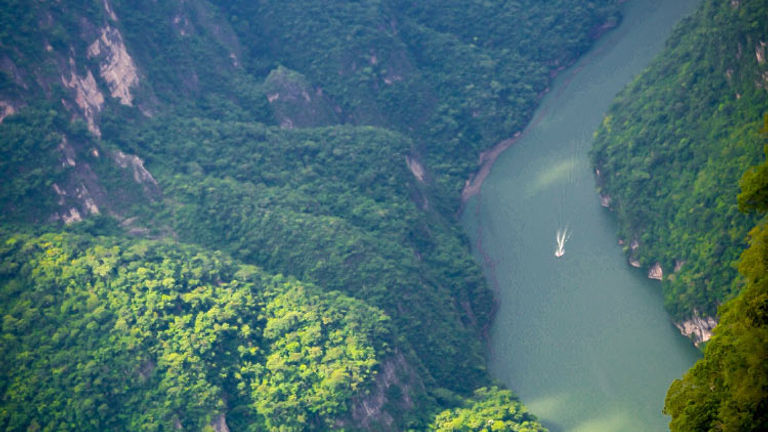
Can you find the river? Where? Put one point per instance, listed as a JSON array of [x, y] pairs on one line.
[[582, 339]]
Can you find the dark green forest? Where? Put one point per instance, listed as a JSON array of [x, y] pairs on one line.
[[242, 215]]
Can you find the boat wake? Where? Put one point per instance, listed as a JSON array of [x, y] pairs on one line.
[[561, 237]]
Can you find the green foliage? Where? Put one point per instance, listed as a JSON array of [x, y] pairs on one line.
[[159, 334], [345, 196], [674, 144], [383, 63], [727, 390], [320, 354], [51, 163], [754, 184], [489, 409], [100, 333], [29, 161], [190, 58]]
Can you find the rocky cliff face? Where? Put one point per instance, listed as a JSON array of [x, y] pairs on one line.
[[697, 328], [116, 66], [85, 65]]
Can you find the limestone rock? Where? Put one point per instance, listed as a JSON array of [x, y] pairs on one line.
[[88, 97], [115, 65], [135, 163], [656, 272], [697, 328]]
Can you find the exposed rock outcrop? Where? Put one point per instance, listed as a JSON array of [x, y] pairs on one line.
[[655, 272], [80, 192], [6, 109], [136, 165], [633, 245], [79, 196], [605, 200], [697, 328], [417, 169], [88, 97], [71, 216], [115, 65], [109, 11], [67, 153]]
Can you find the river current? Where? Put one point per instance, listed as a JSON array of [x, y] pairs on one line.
[[583, 339]]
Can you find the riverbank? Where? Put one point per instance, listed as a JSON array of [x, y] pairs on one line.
[[583, 339], [486, 160]]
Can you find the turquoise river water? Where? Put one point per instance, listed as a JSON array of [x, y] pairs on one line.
[[582, 339]]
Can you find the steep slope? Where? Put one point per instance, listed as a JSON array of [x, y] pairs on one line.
[[456, 76], [669, 160], [168, 147], [728, 389], [670, 152]]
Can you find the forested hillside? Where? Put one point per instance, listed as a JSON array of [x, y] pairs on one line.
[[240, 216], [671, 150], [107, 334], [728, 389], [671, 157]]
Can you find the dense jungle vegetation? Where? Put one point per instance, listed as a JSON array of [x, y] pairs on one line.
[[671, 150], [671, 154], [728, 389], [289, 259]]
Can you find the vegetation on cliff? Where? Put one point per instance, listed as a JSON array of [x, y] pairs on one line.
[[144, 335], [258, 200], [670, 154], [727, 390], [673, 146]]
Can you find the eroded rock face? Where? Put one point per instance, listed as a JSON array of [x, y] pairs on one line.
[[656, 272], [71, 216], [140, 174], [81, 193], [697, 328], [76, 196], [88, 97], [605, 200], [116, 67], [6, 109], [417, 169], [109, 11]]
